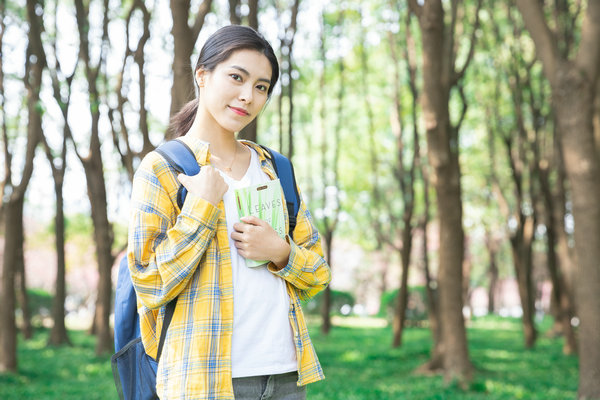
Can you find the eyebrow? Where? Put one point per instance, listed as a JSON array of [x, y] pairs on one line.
[[244, 71]]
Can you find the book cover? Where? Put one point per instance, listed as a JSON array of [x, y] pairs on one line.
[[264, 201]]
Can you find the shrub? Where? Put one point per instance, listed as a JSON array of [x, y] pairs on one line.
[[416, 308], [338, 300]]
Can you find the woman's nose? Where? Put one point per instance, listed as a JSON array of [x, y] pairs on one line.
[[246, 93]]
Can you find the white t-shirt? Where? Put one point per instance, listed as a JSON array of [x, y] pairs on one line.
[[262, 341]]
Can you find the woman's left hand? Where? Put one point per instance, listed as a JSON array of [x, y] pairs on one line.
[[257, 240]]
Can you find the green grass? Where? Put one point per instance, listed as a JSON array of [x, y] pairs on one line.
[[359, 364]]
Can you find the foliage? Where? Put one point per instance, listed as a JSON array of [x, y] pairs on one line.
[[416, 309], [339, 299], [40, 303], [358, 363]]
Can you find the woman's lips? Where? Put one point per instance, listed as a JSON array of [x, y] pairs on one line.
[[239, 111]]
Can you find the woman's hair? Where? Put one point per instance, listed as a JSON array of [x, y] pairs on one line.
[[218, 48]]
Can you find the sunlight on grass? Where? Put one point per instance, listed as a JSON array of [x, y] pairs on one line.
[[357, 358], [359, 322]]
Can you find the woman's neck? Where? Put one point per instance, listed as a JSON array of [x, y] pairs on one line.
[[222, 142]]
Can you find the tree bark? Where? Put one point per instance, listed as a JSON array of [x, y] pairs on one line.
[[119, 129], [94, 173], [21, 278], [184, 39], [234, 15], [330, 204], [58, 333], [560, 296], [493, 271], [58, 165], [405, 177], [439, 76], [13, 207], [583, 168], [573, 83], [5, 178], [249, 132], [8, 328]]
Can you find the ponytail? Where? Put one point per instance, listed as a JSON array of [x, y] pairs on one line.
[[182, 122]]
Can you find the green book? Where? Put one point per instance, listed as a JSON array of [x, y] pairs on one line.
[[264, 201]]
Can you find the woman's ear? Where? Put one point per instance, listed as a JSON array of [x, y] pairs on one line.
[[200, 74]]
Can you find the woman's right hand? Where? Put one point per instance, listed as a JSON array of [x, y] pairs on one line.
[[207, 184]]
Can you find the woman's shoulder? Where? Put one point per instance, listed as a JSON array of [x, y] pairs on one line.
[[155, 168]]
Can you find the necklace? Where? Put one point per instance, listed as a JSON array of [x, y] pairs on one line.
[[228, 169]]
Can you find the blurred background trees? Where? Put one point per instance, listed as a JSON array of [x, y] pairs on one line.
[[449, 152]]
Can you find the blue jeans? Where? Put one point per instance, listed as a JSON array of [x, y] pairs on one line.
[[269, 387]]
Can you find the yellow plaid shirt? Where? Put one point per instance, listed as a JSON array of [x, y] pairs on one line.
[[185, 254]]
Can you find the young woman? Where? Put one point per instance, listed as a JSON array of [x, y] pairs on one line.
[[236, 332]]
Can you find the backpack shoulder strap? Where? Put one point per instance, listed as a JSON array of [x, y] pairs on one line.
[[285, 171], [182, 158]]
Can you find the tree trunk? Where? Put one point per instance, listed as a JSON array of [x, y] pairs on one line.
[[13, 207], [443, 157], [582, 164], [436, 360], [573, 85], [8, 329], [597, 118], [234, 16], [326, 305], [560, 296], [184, 39], [522, 258], [20, 275], [249, 132], [94, 173], [103, 238], [58, 334], [493, 271], [402, 302]]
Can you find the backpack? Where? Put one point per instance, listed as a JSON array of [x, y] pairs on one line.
[[181, 157]]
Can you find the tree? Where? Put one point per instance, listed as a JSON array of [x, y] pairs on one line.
[[573, 80], [184, 39], [403, 176], [286, 45], [94, 172], [329, 170], [62, 87], [119, 129], [13, 205], [440, 76], [249, 132]]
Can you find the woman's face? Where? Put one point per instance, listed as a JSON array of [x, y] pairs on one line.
[[234, 93]]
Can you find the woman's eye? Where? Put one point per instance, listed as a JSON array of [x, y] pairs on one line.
[[262, 88], [236, 77]]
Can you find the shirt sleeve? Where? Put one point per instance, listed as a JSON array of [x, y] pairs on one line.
[[165, 246], [306, 269]]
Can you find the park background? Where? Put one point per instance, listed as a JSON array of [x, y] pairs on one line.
[[448, 150]]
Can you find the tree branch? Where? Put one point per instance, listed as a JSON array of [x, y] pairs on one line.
[[203, 11], [588, 55], [458, 76], [546, 48]]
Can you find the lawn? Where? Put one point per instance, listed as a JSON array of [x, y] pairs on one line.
[[357, 360]]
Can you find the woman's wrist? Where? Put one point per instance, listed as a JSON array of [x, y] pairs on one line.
[[283, 255]]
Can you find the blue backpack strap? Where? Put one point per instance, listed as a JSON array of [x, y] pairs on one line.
[[127, 326], [285, 171], [182, 158]]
